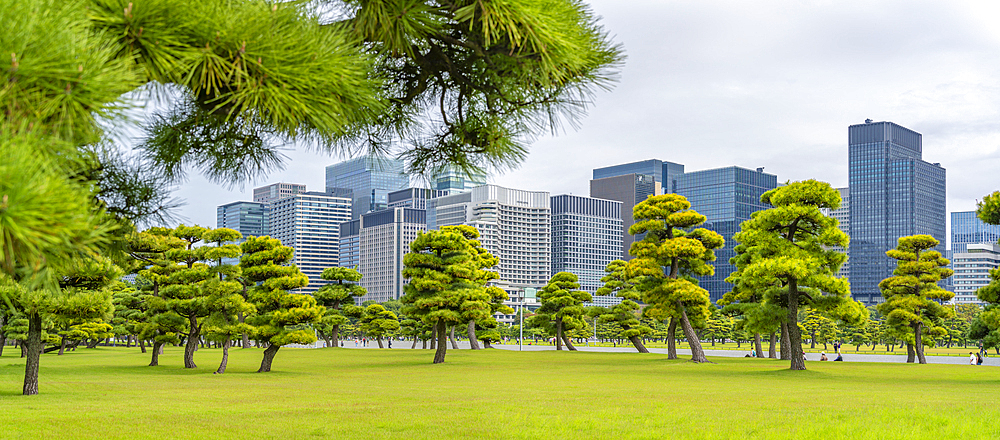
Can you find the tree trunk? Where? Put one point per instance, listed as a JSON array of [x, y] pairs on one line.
[[93, 343], [672, 339], [225, 356], [473, 342], [423, 343], [559, 332], [33, 347], [3, 341], [697, 354], [157, 347], [796, 356], [486, 344], [637, 342], [451, 337], [242, 318], [142, 344], [192, 342], [910, 354], [442, 346], [918, 339], [569, 342], [379, 339], [62, 346], [269, 352], [434, 338], [786, 347], [336, 335], [812, 340], [771, 352], [414, 346], [758, 349]]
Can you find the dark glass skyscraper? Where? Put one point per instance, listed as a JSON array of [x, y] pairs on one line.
[[630, 189], [894, 193], [370, 180], [727, 197], [967, 229]]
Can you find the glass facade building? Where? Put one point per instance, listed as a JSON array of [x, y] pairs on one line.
[[972, 271], [414, 197], [249, 218], [310, 222], [453, 180], [586, 236], [370, 180], [629, 189], [375, 244], [277, 191], [894, 193], [727, 197], [967, 229]]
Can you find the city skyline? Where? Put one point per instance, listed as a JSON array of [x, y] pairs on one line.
[[784, 107]]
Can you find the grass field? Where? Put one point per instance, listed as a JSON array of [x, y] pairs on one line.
[[346, 393], [846, 348]]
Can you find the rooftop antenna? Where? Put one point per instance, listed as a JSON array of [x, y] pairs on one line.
[[868, 121]]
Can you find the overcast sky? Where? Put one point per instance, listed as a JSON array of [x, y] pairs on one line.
[[775, 84]]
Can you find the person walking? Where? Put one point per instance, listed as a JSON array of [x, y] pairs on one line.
[[390, 342]]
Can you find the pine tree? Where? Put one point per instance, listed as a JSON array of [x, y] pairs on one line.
[[625, 314], [377, 321], [562, 307], [788, 255], [278, 311], [338, 298], [669, 257], [912, 295]]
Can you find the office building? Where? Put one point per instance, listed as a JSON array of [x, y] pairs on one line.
[[843, 216], [967, 229], [310, 223], [586, 236], [415, 198], [972, 271], [452, 179], [276, 191], [894, 193], [375, 244], [514, 225], [629, 189], [370, 180], [727, 197], [249, 218]]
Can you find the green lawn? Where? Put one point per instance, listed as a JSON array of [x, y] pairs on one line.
[[351, 394]]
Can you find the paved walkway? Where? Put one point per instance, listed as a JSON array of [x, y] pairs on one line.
[[848, 356]]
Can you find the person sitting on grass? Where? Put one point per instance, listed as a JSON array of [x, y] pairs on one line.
[[822, 357], [972, 359], [840, 358]]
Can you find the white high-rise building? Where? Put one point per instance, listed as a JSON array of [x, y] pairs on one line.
[[514, 225], [972, 271], [310, 222], [277, 191]]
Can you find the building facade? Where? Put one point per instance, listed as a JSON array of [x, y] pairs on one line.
[[630, 190], [727, 197], [249, 218], [370, 180], [514, 225], [894, 193], [972, 271], [967, 229], [277, 191], [586, 236], [415, 198], [843, 216], [375, 244], [310, 222], [452, 179]]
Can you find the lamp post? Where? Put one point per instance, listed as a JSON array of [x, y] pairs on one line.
[[520, 328]]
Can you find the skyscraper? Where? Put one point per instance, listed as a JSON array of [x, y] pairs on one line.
[[310, 223], [249, 218], [894, 193], [383, 238], [453, 180], [514, 225], [414, 197], [629, 189], [843, 216], [727, 197], [972, 270], [370, 179], [967, 229], [276, 191], [586, 236]]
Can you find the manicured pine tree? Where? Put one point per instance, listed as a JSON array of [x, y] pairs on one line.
[[338, 298], [618, 282], [669, 257], [754, 313], [444, 273], [181, 287], [377, 321], [562, 307], [278, 311], [227, 305], [788, 255], [912, 295]]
